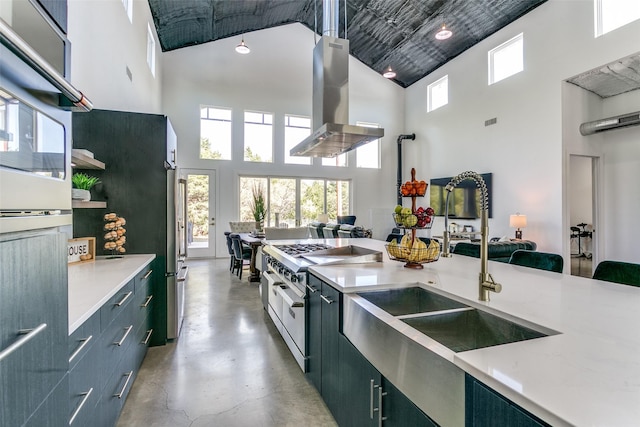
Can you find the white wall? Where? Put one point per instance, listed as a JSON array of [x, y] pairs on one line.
[[524, 150], [276, 77], [103, 44]]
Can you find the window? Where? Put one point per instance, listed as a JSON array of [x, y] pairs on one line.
[[438, 93], [128, 7], [612, 14], [215, 133], [506, 59], [368, 155], [151, 50], [258, 137], [340, 160], [296, 200], [295, 130]]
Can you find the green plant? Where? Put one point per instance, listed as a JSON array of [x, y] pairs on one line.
[[258, 206], [82, 181]]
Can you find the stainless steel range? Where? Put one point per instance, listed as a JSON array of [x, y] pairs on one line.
[[286, 284]]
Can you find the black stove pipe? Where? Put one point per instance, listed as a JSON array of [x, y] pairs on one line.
[[400, 139]]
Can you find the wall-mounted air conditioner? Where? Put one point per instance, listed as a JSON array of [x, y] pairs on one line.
[[624, 120]]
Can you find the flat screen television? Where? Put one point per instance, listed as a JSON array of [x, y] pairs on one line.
[[464, 202]]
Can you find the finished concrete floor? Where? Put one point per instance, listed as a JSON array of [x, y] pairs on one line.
[[230, 367]]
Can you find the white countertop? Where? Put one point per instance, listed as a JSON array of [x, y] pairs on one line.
[[92, 284], [587, 375]]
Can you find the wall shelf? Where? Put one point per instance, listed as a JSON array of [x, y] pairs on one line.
[[82, 161], [79, 204]]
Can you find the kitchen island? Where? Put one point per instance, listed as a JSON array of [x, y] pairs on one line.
[[586, 372]]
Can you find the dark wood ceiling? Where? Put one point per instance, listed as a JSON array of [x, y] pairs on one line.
[[381, 33]]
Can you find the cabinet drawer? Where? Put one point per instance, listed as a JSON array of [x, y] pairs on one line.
[[117, 389], [143, 338], [85, 387], [142, 305], [115, 341], [83, 338], [143, 279], [116, 305]]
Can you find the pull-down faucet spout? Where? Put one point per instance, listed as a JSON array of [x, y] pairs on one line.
[[486, 282]]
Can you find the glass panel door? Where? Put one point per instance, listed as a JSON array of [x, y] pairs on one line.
[[311, 199], [200, 213], [282, 202]]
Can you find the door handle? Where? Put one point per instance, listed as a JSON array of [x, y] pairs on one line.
[[27, 335], [213, 221]]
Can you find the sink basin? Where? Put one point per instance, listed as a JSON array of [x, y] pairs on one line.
[[471, 329], [398, 302]]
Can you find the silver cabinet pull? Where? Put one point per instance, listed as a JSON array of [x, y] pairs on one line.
[[380, 417], [28, 335], [84, 342], [147, 338], [79, 408], [182, 274], [147, 301], [146, 276], [126, 383], [312, 289], [327, 300], [124, 337], [126, 297]]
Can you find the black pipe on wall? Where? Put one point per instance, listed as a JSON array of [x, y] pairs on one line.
[[400, 139]]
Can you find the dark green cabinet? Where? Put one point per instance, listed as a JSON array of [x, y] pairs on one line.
[[33, 322], [323, 361], [487, 408]]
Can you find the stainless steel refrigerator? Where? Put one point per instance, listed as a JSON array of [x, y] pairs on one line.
[[139, 183]]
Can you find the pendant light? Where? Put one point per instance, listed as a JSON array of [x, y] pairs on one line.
[[242, 48], [389, 73], [444, 33]]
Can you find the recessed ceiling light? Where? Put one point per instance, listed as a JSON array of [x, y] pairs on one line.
[[242, 48], [389, 74], [444, 33]]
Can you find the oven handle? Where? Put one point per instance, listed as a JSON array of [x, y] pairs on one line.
[[285, 292]]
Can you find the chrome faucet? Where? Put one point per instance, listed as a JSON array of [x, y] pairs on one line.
[[486, 282]]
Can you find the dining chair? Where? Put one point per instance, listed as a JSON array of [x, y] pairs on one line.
[[625, 273], [539, 260], [242, 258], [230, 249]]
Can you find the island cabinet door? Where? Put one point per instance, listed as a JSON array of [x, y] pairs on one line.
[[330, 349], [360, 383], [485, 407], [314, 332], [398, 410]]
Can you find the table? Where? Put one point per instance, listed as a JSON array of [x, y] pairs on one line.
[[254, 243]]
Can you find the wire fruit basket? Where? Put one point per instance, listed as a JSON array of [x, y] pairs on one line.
[[414, 257]]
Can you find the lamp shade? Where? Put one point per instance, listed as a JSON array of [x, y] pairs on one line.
[[518, 221]]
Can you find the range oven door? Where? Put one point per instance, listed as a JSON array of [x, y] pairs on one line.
[[293, 316], [275, 298]]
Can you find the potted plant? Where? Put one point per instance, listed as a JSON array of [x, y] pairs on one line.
[[82, 184], [258, 207]]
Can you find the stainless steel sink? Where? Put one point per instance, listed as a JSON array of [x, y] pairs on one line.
[[471, 329], [398, 302]]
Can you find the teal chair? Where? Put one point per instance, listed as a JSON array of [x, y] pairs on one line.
[[618, 272], [539, 260]]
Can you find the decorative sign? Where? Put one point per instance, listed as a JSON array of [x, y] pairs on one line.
[[82, 249]]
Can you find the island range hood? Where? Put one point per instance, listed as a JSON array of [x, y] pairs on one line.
[[332, 135]]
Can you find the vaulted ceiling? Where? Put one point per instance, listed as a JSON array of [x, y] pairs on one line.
[[381, 33]]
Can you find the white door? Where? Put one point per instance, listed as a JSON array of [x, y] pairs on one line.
[[201, 221]]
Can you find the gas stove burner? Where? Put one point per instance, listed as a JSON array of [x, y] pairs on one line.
[[302, 248]]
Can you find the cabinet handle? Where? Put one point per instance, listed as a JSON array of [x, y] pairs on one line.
[[126, 383], [380, 417], [28, 335], [312, 289], [79, 408], [119, 343], [126, 297], [147, 301], [146, 276], [327, 300], [84, 342], [147, 338]]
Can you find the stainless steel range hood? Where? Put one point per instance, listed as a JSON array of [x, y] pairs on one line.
[[333, 135]]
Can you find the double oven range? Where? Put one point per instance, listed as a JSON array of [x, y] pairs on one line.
[[284, 282]]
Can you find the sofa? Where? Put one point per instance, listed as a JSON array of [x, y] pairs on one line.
[[498, 251]]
